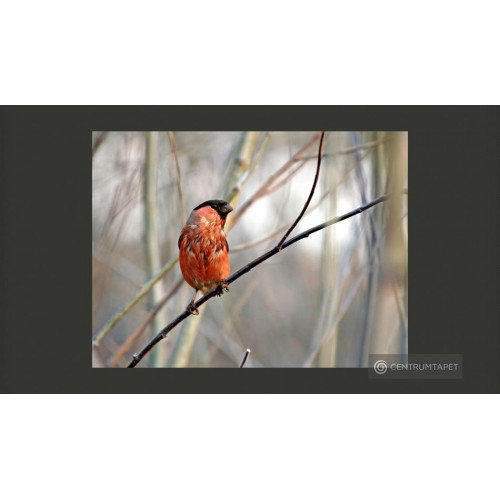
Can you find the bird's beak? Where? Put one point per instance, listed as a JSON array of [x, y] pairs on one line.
[[228, 208]]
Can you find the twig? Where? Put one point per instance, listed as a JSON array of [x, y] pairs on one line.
[[245, 269], [311, 194], [171, 138], [245, 357]]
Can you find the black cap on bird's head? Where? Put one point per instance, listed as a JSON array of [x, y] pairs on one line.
[[220, 206]]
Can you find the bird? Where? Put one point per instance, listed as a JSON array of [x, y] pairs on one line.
[[203, 249]]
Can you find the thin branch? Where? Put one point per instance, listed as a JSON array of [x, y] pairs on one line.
[[311, 194], [244, 360], [245, 269], [171, 138]]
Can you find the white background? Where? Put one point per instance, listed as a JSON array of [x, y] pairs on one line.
[[254, 52], [263, 52], [249, 447]]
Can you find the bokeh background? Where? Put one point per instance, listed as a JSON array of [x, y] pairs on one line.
[[328, 301]]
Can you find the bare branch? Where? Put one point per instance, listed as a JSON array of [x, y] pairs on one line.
[[244, 360], [311, 194], [245, 269]]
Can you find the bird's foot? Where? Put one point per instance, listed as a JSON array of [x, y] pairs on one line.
[[192, 309], [222, 287]]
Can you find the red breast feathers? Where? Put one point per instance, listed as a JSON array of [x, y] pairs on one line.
[[203, 249]]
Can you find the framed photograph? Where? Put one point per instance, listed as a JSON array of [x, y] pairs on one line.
[[177, 214]]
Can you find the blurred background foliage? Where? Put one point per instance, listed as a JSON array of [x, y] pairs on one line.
[[327, 301]]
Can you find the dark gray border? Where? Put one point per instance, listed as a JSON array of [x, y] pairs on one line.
[[45, 224]]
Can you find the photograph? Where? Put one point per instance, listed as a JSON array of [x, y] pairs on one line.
[[251, 249]]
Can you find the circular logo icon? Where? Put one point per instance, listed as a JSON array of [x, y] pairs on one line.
[[380, 367]]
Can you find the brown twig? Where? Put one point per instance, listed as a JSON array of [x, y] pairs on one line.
[[245, 357], [311, 194], [247, 268]]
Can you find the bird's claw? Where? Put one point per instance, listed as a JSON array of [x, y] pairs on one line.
[[192, 309], [222, 287]]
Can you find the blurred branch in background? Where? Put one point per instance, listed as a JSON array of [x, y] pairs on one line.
[[371, 244], [394, 258], [152, 250], [180, 189]]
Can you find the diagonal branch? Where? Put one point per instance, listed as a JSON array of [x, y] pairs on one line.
[[311, 194], [245, 269]]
